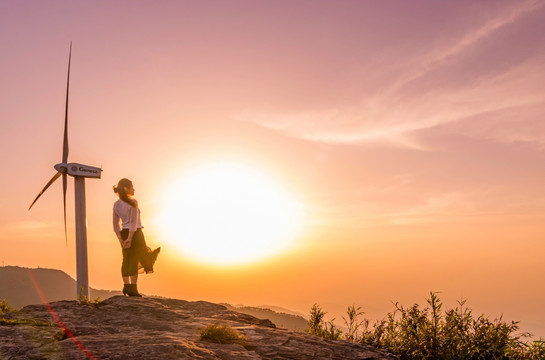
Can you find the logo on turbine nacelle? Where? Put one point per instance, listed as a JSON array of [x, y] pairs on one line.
[[84, 170]]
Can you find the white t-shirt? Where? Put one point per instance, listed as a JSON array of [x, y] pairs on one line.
[[129, 216]]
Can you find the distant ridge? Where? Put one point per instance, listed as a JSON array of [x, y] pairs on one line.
[[281, 319], [274, 308], [17, 287], [279, 309]]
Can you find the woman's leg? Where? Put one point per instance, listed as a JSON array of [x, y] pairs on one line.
[[129, 268], [125, 275]]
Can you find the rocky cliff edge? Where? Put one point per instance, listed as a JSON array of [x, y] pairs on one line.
[[156, 328]]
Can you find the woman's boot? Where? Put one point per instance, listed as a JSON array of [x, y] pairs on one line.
[[133, 290], [126, 289]]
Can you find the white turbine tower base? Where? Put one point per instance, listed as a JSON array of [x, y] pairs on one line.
[[82, 273], [79, 172]]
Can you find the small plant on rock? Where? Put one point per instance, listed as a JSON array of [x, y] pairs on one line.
[[222, 334], [4, 307], [60, 335]]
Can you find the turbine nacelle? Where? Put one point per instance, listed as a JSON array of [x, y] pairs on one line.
[[62, 168], [75, 169]]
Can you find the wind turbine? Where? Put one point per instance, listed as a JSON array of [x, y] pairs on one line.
[[79, 172]]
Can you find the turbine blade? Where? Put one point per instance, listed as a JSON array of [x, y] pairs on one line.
[[64, 185], [65, 141], [55, 177]]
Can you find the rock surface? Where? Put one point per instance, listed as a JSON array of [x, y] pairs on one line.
[[156, 328]]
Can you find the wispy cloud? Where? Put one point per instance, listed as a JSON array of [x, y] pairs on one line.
[[423, 96], [437, 57]]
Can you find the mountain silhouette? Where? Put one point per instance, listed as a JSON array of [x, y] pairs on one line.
[[19, 289], [280, 319]]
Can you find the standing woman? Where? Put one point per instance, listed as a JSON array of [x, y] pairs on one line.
[[137, 257]]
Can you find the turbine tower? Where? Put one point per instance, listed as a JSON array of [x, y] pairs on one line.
[[79, 172]]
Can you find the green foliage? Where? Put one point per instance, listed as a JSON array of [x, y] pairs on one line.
[[60, 335], [84, 299], [317, 326], [352, 323], [533, 351], [4, 322], [8, 322], [4, 307], [316, 321], [222, 334], [331, 332], [430, 332]]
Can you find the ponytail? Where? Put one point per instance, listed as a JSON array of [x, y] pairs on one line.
[[120, 190]]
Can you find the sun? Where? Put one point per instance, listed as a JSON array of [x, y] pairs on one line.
[[229, 214]]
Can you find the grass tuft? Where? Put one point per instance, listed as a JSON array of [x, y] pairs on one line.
[[222, 334], [60, 335]]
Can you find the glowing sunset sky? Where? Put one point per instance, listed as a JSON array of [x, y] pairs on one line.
[[411, 132]]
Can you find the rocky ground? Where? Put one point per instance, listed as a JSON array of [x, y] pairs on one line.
[[156, 328]]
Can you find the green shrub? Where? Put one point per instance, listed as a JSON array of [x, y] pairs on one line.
[[533, 351], [222, 334], [352, 323], [332, 332], [316, 321], [4, 307], [430, 332], [318, 327]]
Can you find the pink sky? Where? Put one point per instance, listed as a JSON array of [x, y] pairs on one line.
[[413, 133]]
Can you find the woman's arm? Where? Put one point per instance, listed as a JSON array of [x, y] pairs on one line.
[[134, 223], [116, 227]]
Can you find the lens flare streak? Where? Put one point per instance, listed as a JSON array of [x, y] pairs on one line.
[[57, 318]]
